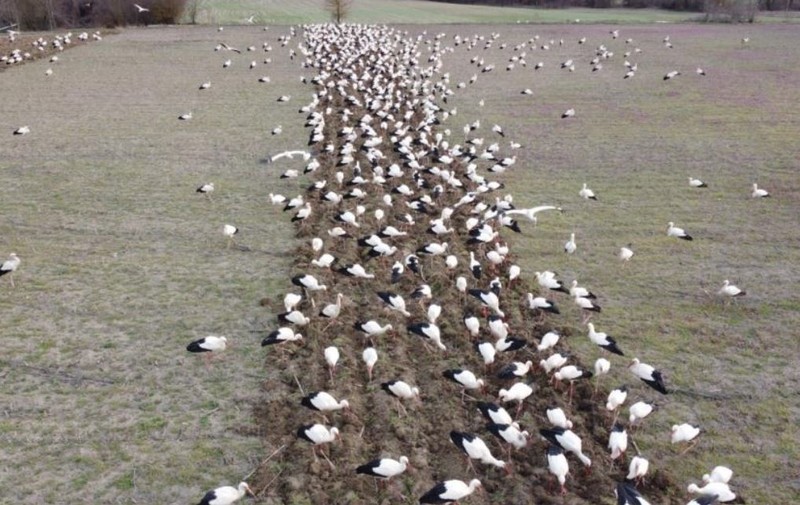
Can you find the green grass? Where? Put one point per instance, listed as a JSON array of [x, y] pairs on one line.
[[268, 12], [416, 12]]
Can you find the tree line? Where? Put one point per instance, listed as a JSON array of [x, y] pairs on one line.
[[51, 14]]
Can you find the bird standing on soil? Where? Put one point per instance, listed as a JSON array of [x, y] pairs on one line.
[[370, 357], [22, 130], [318, 434], [400, 390], [475, 448], [449, 491], [9, 266], [226, 495], [567, 440], [384, 468], [466, 378], [557, 465], [331, 358]]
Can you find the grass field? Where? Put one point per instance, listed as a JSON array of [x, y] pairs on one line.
[[415, 12], [123, 264]]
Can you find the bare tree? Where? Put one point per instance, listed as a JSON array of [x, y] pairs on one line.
[[339, 9], [192, 9]]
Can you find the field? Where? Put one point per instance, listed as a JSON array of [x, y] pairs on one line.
[[415, 11], [124, 264]]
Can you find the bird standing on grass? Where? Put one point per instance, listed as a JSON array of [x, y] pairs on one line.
[[206, 189], [9, 266], [226, 495], [674, 231], [758, 192], [648, 375], [208, 345], [729, 290]]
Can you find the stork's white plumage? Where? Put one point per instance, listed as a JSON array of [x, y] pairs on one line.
[[586, 193], [637, 468], [449, 491], [475, 448], [639, 411], [617, 441], [331, 354], [729, 290], [718, 474], [9, 266], [557, 465], [720, 489], [625, 254], [684, 433], [370, 357], [384, 468], [518, 392], [558, 418], [758, 192], [674, 231], [323, 402], [225, 495], [570, 246], [548, 340]]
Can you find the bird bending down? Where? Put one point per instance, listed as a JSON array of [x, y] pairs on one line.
[[684, 433], [229, 231], [449, 491], [718, 474], [318, 434], [720, 489], [567, 440], [475, 448], [466, 378], [208, 345], [226, 495], [557, 465]]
